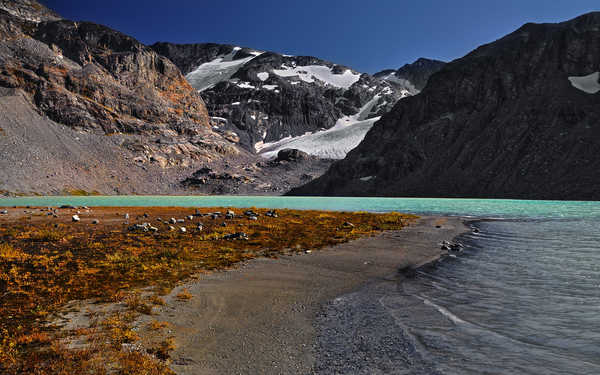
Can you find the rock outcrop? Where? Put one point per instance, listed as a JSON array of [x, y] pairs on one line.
[[516, 118], [89, 76]]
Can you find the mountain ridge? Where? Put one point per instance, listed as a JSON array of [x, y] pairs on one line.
[[266, 97], [505, 121]]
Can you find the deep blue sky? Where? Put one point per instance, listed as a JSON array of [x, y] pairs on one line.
[[366, 35]]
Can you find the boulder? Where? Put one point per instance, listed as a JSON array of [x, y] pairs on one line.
[[291, 154], [75, 218], [236, 236]]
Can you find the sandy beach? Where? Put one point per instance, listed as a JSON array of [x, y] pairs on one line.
[[263, 316]]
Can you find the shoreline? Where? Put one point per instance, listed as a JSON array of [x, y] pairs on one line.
[[261, 317]]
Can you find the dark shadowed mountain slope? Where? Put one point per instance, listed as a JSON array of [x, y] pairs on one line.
[[516, 118]]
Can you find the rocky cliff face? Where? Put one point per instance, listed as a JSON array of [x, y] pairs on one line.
[[516, 118], [28, 10], [87, 107], [265, 97], [89, 76]]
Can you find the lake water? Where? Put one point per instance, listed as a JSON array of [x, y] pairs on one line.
[[523, 297], [488, 208]]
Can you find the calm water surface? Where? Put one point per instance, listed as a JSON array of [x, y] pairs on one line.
[[523, 298]]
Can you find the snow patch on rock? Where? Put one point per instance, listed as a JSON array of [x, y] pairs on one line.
[[325, 74], [263, 76], [220, 69], [588, 84]]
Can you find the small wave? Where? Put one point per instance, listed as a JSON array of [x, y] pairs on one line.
[[455, 319]]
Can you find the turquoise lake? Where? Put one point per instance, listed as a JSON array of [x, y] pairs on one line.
[[522, 298], [488, 208]]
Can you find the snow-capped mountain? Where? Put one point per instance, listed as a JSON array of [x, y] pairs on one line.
[[274, 101]]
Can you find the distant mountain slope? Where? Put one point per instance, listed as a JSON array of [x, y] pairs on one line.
[[516, 118], [413, 76], [270, 99], [87, 107]]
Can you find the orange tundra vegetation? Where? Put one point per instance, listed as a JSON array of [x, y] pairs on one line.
[[47, 261]]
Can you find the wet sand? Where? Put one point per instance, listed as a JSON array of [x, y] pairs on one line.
[[269, 316]]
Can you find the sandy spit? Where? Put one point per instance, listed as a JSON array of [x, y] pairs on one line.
[[260, 317]]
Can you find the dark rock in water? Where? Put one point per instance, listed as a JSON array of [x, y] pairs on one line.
[[290, 154], [506, 121], [67, 206], [95, 222]]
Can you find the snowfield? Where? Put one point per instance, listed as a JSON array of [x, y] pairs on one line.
[[333, 143], [220, 69], [588, 84], [322, 73]]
